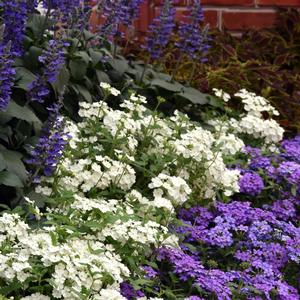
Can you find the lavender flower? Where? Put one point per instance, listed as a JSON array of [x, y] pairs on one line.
[[194, 41], [291, 149], [14, 17], [7, 75], [121, 12], [64, 8], [161, 30], [53, 59], [128, 291], [46, 154], [290, 171], [251, 183]]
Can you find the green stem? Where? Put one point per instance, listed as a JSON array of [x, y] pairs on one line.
[[192, 73], [144, 70], [176, 67]]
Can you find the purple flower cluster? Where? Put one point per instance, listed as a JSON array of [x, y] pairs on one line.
[[193, 40], [291, 149], [161, 30], [52, 59], [122, 12], [128, 291], [63, 8], [263, 245], [14, 17], [237, 250], [46, 154], [7, 75], [251, 183]]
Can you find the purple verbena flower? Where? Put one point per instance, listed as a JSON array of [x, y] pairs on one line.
[[129, 292], [290, 171], [251, 183]]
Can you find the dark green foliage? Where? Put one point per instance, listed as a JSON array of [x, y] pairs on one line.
[[89, 61]]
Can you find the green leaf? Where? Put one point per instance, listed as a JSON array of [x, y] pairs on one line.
[[194, 96], [82, 55], [36, 24], [31, 57], [62, 80], [21, 112], [166, 85], [2, 162], [14, 164], [120, 65], [84, 93], [78, 69], [102, 76], [24, 78], [96, 56], [10, 179]]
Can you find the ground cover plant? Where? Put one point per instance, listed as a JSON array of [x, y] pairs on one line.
[[112, 201]]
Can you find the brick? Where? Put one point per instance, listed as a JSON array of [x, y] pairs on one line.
[[228, 2], [243, 20], [211, 17], [295, 3]]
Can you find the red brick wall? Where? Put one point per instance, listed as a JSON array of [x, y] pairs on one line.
[[234, 15]]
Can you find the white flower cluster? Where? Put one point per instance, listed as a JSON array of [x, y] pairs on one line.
[[169, 190], [76, 263], [116, 191], [253, 122]]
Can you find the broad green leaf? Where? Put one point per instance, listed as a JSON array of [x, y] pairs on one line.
[[36, 24], [194, 96], [31, 57], [102, 76], [10, 179], [62, 80], [78, 69], [169, 86], [24, 78], [83, 56], [20, 112], [2, 162], [84, 93], [96, 56], [14, 164], [119, 65]]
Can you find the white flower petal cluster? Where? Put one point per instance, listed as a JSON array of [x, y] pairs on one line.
[[221, 94], [255, 105], [170, 189], [116, 191], [76, 262], [253, 122]]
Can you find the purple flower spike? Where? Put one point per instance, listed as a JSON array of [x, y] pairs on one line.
[[193, 40], [7, 75], [14, 18], [53, 59], [161, 30], [49, 148]]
